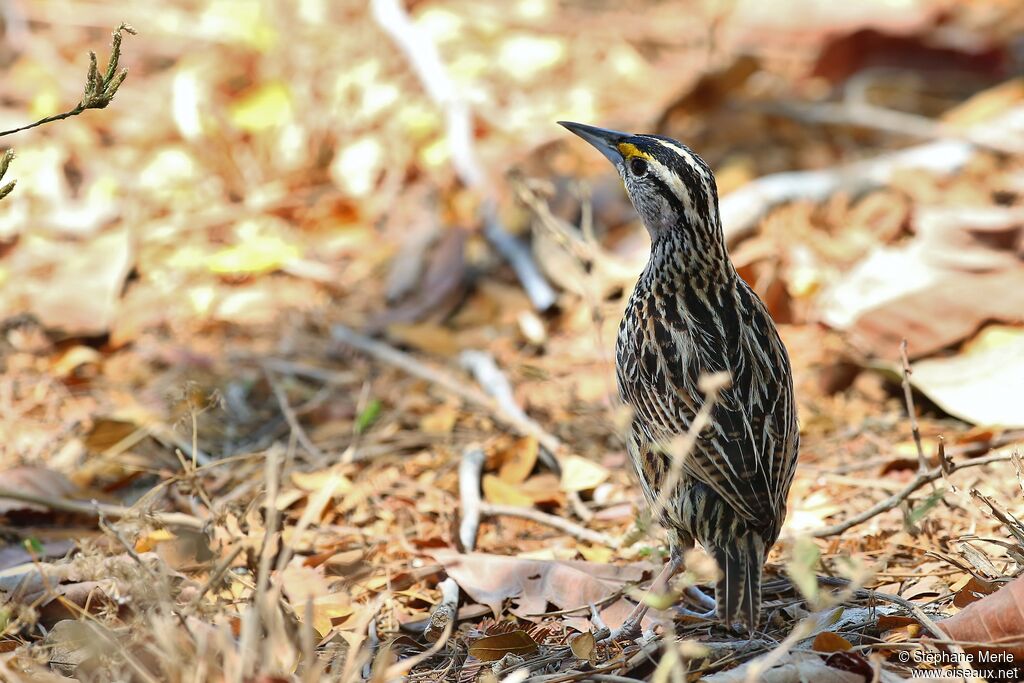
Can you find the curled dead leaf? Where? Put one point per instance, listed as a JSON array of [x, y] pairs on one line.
[[493, 648]]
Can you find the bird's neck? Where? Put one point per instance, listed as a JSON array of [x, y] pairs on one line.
[[691, 255]]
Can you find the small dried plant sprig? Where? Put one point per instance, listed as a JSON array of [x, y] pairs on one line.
[[5, 162], [99, 89]]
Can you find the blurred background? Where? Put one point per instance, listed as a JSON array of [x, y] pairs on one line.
[[183, 272]]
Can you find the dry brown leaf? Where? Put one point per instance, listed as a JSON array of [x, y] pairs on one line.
[[887, 622], [972, 591], [532, 584], [543, 489], [426, 337], [493, 648], [583, 646], [997, 619], [939, 314], [14, 555], [827, 641]]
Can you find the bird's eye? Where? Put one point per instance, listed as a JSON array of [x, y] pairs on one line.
[[638, 167]]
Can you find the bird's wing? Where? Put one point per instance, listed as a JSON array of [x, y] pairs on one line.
[[747, 453]]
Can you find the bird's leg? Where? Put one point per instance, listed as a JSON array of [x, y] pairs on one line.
[[701, 598], [630, 628]]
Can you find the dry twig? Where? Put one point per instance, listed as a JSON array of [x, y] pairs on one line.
[[95, 509], [426, 62], [908, 397], [894, 500], [565, 526], [524, 425]]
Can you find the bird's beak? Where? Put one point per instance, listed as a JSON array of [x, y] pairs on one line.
[[606, 141]]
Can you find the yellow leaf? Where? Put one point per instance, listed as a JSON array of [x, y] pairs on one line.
[[500, 493], [440, 422], [424, 337], [315, 481], [149, 542], [258, 254], [73, 358], [580, 474], [518, 461], [328, 611], [985, 105], [238, 21], [356, 167], [526, 56], [262, 108], [596, 553]]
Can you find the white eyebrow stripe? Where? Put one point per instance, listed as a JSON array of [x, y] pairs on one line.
[[686, 156], [677, 187]]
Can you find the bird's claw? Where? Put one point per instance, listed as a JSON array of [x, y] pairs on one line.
[[709, 615], [629, 631]]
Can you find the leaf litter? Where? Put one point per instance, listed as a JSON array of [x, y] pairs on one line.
[[199, 483]]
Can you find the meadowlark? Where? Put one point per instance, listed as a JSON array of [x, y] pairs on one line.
[[691, 316]]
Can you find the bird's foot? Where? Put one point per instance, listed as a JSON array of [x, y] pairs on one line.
[[709, 615], [628, 632], [700, 598]]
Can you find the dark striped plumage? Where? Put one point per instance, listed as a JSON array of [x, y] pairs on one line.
[[691, 315]]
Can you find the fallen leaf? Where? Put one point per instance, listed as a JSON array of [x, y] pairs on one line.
[[583, 646], [931, 310], [533, 584], [979, 384], [426, 337], [827, 641], [255, 255], [543, 489], [264, 107], [595, 553], [887, 622], [518, 461], [441, 421], [972, 591], [793, 668], [580, 474], [493, 648], [996, 618], [499, 492]]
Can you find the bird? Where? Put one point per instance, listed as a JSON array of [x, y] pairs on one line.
[[691, 318]]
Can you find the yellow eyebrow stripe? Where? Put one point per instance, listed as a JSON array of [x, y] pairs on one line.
[[628, 149]]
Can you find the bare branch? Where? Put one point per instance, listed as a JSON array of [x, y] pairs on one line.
[[894, 500]]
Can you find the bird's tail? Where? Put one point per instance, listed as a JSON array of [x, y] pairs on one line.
[[740, 558]]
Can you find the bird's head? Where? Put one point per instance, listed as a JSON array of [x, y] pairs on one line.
[[671, 188]]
